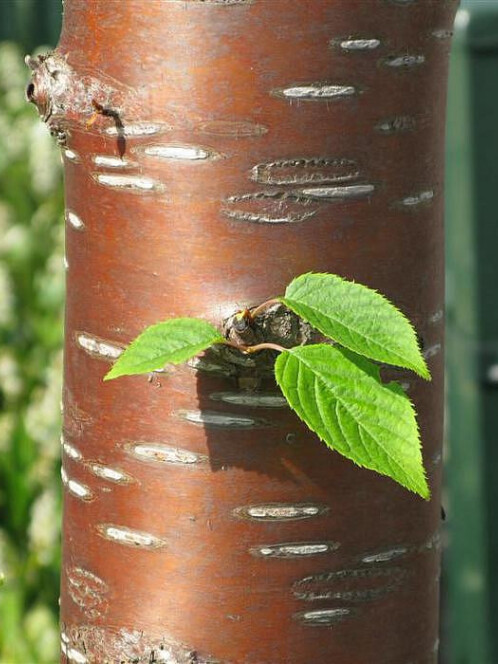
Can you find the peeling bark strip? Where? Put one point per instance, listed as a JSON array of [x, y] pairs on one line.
[[70, 450], [107, 645], [98, 348], [404, 61], [203, 365], [74, 221], [423, 198], [164, 454], [270, 207], [280, 512], [322, 617], [133, 183], [325, 92], [128, 537], [224, 3], [432, 351], [385, 556], [294, 550], [110, 474], [250, 399], [88, 591], [71, 155], [139, 129], [400, 124], [108, 161], [216, 150], [233, 129], [306, 171], [432, 544], [442, 34], [339, 193], [358, 44], [180, 152], [216, 420], [77, 489], [353, 585]]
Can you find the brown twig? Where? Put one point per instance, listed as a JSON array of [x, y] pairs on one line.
[[254, 349], [265, 305]]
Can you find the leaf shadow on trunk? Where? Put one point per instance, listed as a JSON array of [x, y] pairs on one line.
[[257, 432]]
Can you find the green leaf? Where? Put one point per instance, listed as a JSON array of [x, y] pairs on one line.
[[358, 318], [171, 342], [370, 423]]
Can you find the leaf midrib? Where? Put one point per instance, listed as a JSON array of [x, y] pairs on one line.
[[369, 339], [319, 379]]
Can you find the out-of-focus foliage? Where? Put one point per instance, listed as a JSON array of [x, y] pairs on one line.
[[31, 296], [30, 22]]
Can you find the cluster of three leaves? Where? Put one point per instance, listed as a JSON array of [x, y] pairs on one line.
[[332, 387]]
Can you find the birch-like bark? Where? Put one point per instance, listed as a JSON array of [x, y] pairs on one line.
[[214, 150]]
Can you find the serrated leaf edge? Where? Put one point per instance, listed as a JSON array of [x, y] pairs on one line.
[[422, 370], [426, 494], [115, 372]]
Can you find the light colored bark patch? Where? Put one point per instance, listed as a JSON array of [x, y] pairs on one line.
[[270, 207], [88, 591], [415, 200], [74, 221], [222, 3], [294, 549], [70, 450], [305, 171], [217, 420], [164, 454], [75, 488], [138, 129], [325, 92], [404, 61], [204, 366], [350, 192], [385, 556], [353, 585], [179, 152], [131, 183], [436, 317], [233, 128], [280, 512], [110, 161], [442, 34], [323, 617], [109, 474], [71, 155], [359, 44], [396, 125], [129, 537], [110, 645], [432, 351], [76, 656], [98, 348], [250, 399]]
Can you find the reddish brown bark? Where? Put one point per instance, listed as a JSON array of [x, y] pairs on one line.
[[194, 552]]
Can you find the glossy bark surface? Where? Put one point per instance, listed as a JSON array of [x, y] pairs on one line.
[[215, 150]]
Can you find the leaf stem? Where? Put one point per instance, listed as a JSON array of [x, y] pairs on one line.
[[265, 305], [255, 349]]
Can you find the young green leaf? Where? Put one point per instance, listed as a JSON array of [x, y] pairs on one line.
[[358, 318], [171, 342], [349, 409]]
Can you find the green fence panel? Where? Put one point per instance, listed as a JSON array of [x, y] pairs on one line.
[[31, 22], [472, 335]]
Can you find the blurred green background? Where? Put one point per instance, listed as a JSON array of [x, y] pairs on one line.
[[31, 300], [31, 304]]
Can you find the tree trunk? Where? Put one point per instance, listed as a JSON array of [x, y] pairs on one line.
[[214, 150]]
